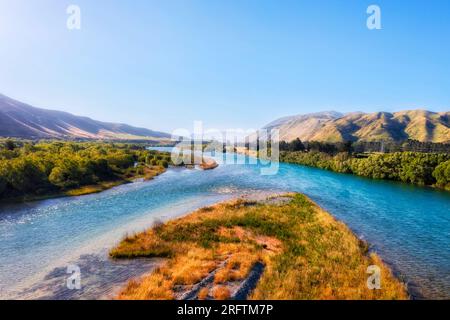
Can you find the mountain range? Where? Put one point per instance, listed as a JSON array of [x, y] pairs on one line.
[[331, 126], [20, 120]]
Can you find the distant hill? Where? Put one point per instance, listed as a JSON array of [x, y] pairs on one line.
[[20, 120], [421, 125]]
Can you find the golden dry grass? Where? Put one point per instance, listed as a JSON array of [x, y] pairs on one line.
[[96, 188], [203, 293], [221, 293], [307, 254]]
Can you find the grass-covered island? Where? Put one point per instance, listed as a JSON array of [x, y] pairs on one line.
[[278, 247], [31, 170]]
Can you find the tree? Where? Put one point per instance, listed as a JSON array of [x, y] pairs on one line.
[[296, 145], [10, 145], [99, 168], [163, 163], [58, 177], [442, 175], [3, 178], [25, 176]]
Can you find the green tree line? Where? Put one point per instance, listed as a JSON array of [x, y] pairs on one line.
[[38, 168], [365, 146], [432, 169]]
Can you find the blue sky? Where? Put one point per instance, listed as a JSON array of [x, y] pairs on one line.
[[230, 63]]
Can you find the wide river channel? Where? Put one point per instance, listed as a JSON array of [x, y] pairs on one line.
[[40, 242]]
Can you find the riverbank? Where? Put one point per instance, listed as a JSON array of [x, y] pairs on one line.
[[147, 172], [48, 169], [422, 169], [415, 168], [280, 247]]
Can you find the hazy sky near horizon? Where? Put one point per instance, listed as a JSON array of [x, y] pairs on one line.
[[231, 64]]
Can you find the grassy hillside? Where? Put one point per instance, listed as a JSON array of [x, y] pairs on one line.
[[303, 252], [417, 125]]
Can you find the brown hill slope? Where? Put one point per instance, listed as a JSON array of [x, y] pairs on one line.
[[20, 120], [418, 125]]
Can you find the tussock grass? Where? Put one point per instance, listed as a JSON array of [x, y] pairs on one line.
[[307, 254]]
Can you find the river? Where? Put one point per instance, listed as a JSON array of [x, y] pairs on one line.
[[408, 226]]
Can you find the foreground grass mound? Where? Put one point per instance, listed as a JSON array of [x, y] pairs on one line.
[[304, 253]]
